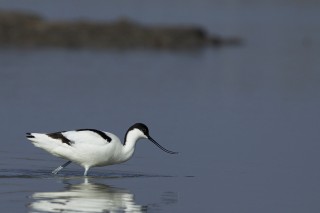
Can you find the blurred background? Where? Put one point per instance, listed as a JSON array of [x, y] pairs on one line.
[[244, 118]]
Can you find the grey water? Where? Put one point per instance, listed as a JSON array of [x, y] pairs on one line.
[[245, 120]]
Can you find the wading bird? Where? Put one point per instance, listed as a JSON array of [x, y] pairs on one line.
[[91, 147]]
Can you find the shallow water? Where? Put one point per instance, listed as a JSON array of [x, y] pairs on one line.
[[39, 191], [244, 120]]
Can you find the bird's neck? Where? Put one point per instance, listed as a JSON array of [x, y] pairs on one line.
[[130, 141]]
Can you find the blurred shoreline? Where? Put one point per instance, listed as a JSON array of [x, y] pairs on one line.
[[21, 29]]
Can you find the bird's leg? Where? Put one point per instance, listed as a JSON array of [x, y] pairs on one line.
[[61, 167]]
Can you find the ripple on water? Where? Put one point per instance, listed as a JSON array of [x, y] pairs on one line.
[[36, 173]]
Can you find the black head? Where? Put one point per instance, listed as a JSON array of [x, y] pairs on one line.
[[144, 129], [140, 126]]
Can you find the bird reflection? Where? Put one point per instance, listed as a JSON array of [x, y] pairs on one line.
[[86, 197]]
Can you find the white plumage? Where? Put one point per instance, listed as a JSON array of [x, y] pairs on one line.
[[90, 147]]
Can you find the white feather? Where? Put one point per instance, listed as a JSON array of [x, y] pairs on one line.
[[86, 136]]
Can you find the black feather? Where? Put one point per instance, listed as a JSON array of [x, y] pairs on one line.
[[60, 136], [102, 134], [29, 135]]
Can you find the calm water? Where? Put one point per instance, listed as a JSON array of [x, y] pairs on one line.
[[244, 119]]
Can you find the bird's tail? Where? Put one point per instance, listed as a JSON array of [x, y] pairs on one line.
[[42, 141], [37, 137], [29, 135]]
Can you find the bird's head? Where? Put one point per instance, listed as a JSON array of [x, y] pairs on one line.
[[141, 131]]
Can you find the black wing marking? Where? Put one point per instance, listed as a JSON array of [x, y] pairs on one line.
[[59, 135], [102, 134]]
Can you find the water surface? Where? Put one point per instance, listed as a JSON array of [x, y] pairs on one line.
[[245, 120]]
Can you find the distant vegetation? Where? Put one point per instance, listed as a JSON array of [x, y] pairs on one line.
[[29, 30]]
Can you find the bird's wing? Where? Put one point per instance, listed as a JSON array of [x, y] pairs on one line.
[[89, 136]]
